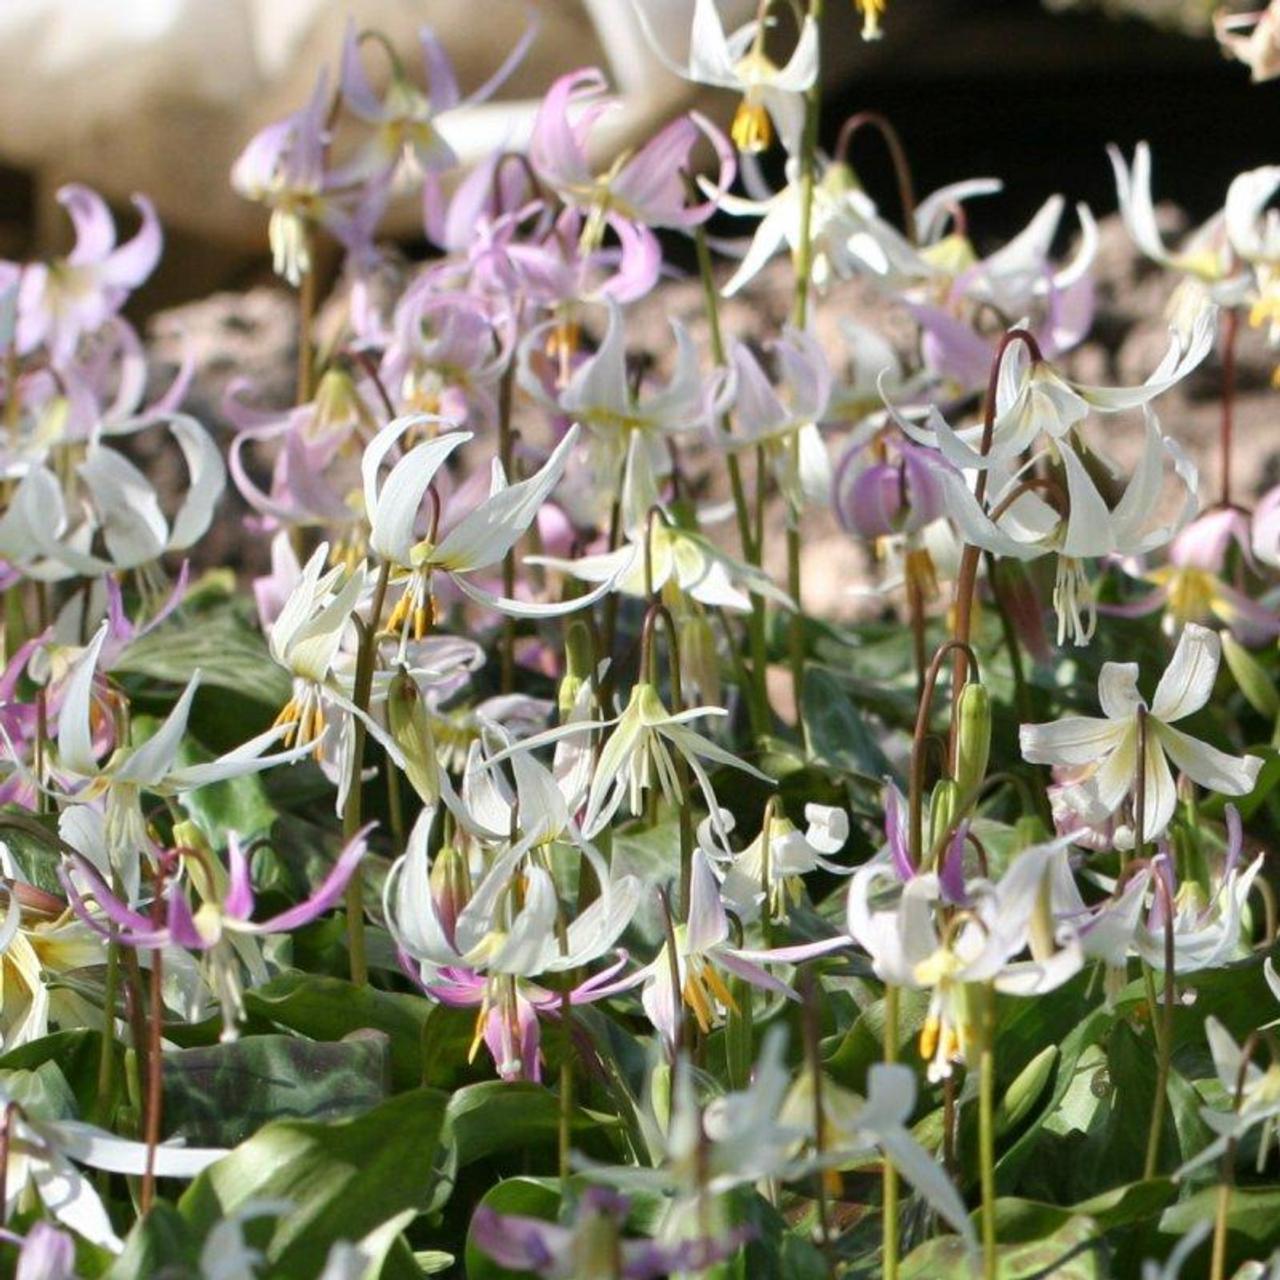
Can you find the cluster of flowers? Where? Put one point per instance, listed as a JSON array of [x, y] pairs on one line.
[[461, 455]]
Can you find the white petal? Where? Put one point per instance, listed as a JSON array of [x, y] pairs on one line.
[[1187, 682]]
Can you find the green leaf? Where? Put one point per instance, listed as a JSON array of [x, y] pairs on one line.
[[161, 1243], [220, 644], [330, 1008], [1069, 1253], [217, 1096], [498, 1115], [835, 730], [1253, 1221], [344, 1179], [1020, 1221]]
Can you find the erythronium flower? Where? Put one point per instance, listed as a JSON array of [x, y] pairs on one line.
[[601, 396], [495, 928], [888, 486], [45, 1253], [1108, 748], [593, 1245], [784, 423], [61, 302], [837, 215], [42, 1158], [1191, 588], [772, 96], [1054, 504], [305, 638], [774, 864], [407, 122], [1206, 256], [979, 945], [151, 766], [647, 187], [663, 558], [854, 1127], [223, 916], [1259, 1100], [1034, 398], [51, 533], [478, 541], [703, 956]]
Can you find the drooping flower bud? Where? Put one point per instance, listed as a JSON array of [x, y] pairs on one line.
[[973, 737], [411, 730], [577, 666], [944, 809], [699, 661], [450, 887], [878, 495]]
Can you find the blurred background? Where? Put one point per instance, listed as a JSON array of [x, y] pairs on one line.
[[159, 96]]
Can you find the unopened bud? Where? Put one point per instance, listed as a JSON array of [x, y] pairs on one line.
[[577, 666], [450, 887], [411, 731], [337, 401], [944, 809], [699, 661], [973, 737]]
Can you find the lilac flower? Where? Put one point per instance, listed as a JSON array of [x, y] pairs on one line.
[[406, 122], [61, 302], [1191, 587], [648, 187], [592, 1245], [878, 496], [223, 917], [783, 420]]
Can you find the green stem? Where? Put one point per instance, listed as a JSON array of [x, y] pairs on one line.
[[800, 319], [756, 691], [351, 812], [107, 1060], [987, 1134], [890, 1174], [306, 316]]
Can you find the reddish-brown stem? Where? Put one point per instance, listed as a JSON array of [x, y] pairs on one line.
[[966, 580], [915, 797], [897, 153]]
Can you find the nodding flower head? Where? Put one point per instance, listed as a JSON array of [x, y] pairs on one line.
[[887, 487]]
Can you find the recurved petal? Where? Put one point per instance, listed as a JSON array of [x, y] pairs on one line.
[[1075, 740], [1187, 682]]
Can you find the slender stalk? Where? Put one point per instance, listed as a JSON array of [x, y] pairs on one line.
[[306, 319], [916, 620], [648, 671], [987, 1134], [1230, 328], [897, 154], [351, 812], [1218, 1263], [890, 1174], [107, 1057], [506, 455], [1164, 1041], [967, 578], [757, 695], [155, 1091], [915, 781], [813, 1052], [800, 318]]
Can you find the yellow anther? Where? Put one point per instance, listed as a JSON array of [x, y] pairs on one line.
[[929, 1036], [752, 130]]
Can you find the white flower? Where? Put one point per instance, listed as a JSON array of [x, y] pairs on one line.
[[1108, 747], [480, 540], [769, 93]]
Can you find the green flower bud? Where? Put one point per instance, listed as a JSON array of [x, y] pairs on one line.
[[944, 810], [577, 666], [973, 737], [699, 661], [411, 731], [450, 886]]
